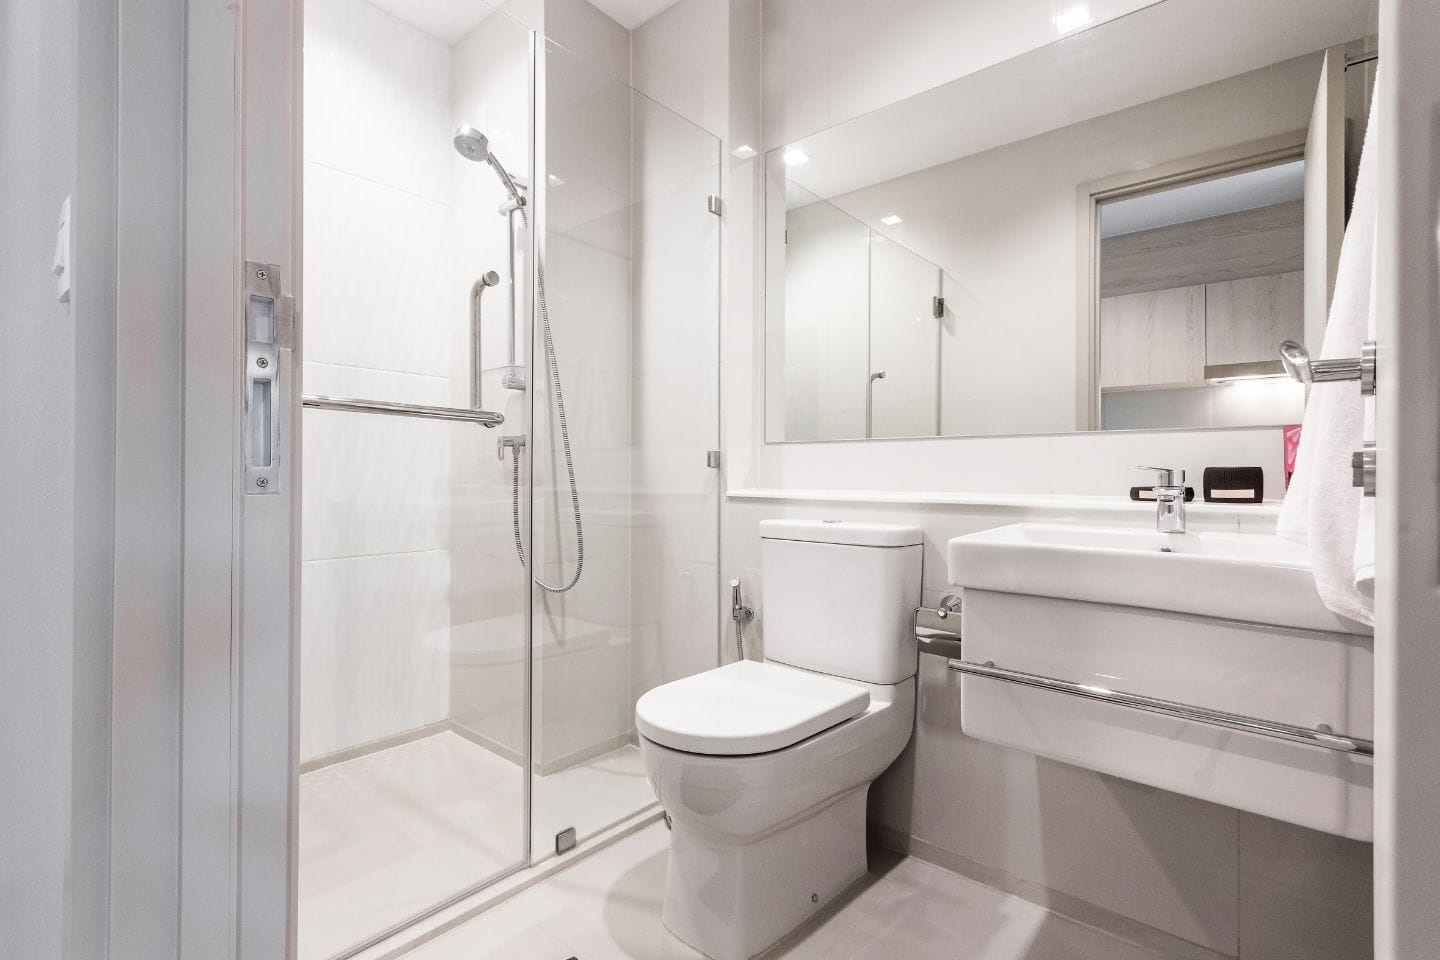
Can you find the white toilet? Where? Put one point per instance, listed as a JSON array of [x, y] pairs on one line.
[[764, 767]]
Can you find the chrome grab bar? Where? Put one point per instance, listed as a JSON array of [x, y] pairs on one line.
[[947, 644], [487, 418]]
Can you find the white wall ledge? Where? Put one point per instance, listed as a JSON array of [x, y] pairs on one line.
[[1038, 502]]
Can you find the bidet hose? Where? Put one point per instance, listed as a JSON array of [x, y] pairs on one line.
[[739, 639], [554, 368]]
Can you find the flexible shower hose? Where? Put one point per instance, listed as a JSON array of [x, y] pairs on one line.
[[564, 443], [474, 146]]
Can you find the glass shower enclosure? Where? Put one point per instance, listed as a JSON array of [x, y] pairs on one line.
[[510, 532]]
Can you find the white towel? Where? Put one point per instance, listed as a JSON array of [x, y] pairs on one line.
[[1322, 507]]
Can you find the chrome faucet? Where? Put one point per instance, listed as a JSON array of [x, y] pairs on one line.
[[1169, 499]]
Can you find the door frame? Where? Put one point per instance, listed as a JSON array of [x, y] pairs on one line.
[[1209, 165], [1407, 398], [236, 895]]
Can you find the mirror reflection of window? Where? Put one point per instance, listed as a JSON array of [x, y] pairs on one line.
[[1198, 285]]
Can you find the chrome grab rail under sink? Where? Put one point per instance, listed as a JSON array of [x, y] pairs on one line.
[[934, 636]]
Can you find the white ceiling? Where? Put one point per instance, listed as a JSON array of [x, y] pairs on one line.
[[1209, 198], [631, 13], [446, 20], [1146, 55], [450, 20]]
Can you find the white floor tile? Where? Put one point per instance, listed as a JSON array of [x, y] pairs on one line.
[[607, 907], [386, 835], [359, 872], [590, 796]]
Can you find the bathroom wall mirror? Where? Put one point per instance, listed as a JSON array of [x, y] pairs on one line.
[[1114, 231]]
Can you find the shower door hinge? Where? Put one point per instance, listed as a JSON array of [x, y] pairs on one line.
[[565, 841], [714, 204], [712, 459], [937, 307]]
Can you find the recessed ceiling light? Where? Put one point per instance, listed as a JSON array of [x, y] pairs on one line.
[[891, 220], [1072, 18], [795, 156], [744, 151]]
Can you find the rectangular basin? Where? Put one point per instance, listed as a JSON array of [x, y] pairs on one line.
[[1257, 578]]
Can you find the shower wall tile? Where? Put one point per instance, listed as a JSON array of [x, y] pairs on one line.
[[676, 618], [374, 484], [675, 398], [677, 240], [589, 297], [373, 658], [377, 92], [376, 269], [677, 409], [381, 321], [676, 58], [597, 407]]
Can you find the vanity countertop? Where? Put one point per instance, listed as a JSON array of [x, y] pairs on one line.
[[1047, 503]]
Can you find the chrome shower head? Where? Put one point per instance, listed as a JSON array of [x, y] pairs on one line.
[[472, 144]]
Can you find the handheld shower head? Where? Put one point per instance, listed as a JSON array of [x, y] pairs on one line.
[[472, 144]]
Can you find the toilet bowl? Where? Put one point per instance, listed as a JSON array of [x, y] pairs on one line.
[[764, 767]]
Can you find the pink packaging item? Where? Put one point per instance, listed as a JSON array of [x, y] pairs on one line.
[[1292, 446]]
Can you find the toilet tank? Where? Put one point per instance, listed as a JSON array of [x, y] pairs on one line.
[[839, 597]]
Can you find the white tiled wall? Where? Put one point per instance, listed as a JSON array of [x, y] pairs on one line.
[[376, 564], [676, 390], [489, 90], [584, 636]]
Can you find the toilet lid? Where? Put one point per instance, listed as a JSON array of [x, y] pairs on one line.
[[746, 707]]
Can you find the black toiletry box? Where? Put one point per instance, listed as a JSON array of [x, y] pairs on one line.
[[1234, 484]]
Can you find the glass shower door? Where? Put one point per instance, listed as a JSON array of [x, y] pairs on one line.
[[631, 267], [414, 649]]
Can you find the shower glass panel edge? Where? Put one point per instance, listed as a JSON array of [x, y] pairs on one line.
[[631, 262]]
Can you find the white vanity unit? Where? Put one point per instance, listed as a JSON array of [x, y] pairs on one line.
[[1202, 663]]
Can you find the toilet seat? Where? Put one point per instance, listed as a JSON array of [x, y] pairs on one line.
[[746, 708]]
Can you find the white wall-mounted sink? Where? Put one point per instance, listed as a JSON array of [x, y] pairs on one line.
[[1224, 622], [1259, 578]]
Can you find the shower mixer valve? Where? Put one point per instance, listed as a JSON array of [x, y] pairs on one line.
[[516, 442]]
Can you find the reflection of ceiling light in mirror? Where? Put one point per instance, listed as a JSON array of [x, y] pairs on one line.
[[795, 156], [891, 220], [1072, 18], [1249, 378], [1249, 370], [744, 151], [554, 181]]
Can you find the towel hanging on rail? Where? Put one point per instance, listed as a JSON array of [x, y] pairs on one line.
[[1322, 509]]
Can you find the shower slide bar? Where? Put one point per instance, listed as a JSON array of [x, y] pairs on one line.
[[486, 418], [947, 644]]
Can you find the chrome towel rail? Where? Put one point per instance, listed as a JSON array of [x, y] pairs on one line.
[[487, 418], [937, 641]]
